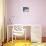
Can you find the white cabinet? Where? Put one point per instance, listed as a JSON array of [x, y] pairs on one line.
[[36, 33]]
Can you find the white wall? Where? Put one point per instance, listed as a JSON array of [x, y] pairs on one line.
[[39, 14], [36, 14]]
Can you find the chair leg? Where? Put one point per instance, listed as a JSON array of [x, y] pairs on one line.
[[12, 36], [15, 38], [25, 36]]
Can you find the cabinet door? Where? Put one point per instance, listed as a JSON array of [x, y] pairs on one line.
[[36, 33]]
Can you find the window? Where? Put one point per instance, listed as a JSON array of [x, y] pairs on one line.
[[25, 9]]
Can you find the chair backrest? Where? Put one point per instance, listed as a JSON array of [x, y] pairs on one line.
[[18, 30]]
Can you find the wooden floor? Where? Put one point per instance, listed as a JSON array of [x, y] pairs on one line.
[[18, 43], [23, 43], [43, 39]]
